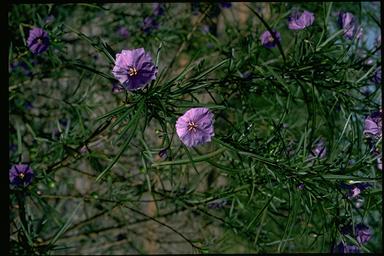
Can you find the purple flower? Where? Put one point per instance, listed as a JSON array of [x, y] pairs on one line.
[[38, 41], [149, 24], [158, 9], [134, 68], [298, 21], [319, 150], [355, 189], [363, 233], [377, 76], [344, 248], [123, 32], [267, 39], [348, 23], [226, 4], [372, 125], [195, 127], [300, 186], [20, 175], [163, 153]]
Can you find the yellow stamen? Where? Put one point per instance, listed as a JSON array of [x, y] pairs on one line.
[[132, 71], [270, 39], [192, 126], [21, 175]]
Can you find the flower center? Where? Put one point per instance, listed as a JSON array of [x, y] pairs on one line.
[[192, 126], [270, 39], [132, 71], [21, 175], [39, 41]]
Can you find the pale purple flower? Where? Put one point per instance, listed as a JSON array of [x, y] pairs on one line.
[[20, 175], [348, 23], [38, 41], [363, 233], [134, 68], [354, 190], [195, 127], [300, 186], [298, 21], [123, 32], [158, 9], [319, 150], [345, 248], [267, 39], [372, 125]]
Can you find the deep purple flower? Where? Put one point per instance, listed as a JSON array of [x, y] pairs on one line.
[[195, 127], [344, 248], [267, 39], [149, 24], [319, 150], [226, 4], [38, 41], [300, 186], [20, 175], [348, 23], [372, 125], [134, 68], [298, 21], [158, 9], [377, 76], [363, 233], [123, 32]]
